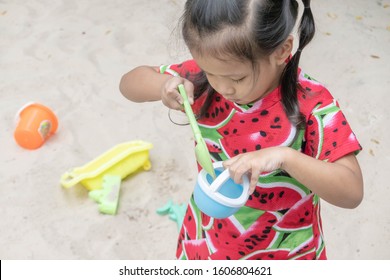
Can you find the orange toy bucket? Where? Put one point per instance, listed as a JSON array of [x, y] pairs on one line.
[[36, 124]]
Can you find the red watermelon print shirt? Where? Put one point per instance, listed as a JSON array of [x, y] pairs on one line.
[[281, 219]]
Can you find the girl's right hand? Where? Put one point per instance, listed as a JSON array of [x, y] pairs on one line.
[[170, 95]]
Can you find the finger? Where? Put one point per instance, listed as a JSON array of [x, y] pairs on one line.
[[229, 162], [252, 184], [172, 99], [177, 97], [251, 190], [190, 90], [226, 164], [177, 106], [238, 169], [172, 104], [254, 178]]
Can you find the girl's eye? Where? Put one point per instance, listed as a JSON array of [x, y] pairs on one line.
[[239, 80]]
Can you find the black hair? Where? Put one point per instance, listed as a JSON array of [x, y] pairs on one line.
[[249, 30]]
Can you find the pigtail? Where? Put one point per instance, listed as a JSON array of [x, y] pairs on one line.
[[201, 87], [289, 78]]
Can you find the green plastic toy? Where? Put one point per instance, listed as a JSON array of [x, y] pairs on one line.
[[176, 212], [108, 196], [201, 151]]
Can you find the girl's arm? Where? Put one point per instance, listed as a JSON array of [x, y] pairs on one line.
[[146, 83], [142, 84], [339, 183]]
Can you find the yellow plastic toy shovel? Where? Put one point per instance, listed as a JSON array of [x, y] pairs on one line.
[[201, 151]]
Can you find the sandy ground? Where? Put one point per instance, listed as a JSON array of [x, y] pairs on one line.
[[70, 56]]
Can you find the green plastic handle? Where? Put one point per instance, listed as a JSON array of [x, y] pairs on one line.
[[188, 110], [201, 151]]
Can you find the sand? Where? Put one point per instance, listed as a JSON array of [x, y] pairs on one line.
[[70, 55]]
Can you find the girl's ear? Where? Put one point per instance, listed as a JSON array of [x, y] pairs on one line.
[[281, 54]]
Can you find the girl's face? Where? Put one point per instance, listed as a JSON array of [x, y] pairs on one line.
[[238, 81]]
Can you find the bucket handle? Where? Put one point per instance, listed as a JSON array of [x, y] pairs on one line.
[[221, 179]]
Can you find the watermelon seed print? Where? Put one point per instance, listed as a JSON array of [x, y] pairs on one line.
[[195, 249], [298, 217], [277, 195]]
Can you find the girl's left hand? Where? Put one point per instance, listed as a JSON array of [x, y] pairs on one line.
[[255, 163]]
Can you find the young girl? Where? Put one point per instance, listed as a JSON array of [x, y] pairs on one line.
[[260, 115]]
